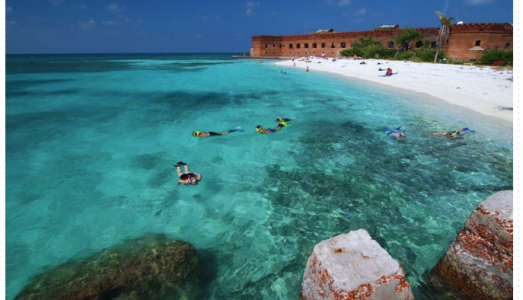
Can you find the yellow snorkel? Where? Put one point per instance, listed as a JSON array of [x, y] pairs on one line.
[[196, 133]]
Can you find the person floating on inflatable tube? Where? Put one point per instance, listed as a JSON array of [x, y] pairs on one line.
[[187, 177], [211, 133], [395, 133], [455, 134]]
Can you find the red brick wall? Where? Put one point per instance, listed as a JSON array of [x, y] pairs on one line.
[[462, 38]]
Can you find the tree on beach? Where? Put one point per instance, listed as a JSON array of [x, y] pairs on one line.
[[408, 35], [444, 31]]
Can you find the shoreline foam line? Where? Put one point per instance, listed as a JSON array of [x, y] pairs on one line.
[[486, 90]]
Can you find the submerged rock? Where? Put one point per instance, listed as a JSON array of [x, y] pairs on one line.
[[149, 267], [353, 266], [480, 260]]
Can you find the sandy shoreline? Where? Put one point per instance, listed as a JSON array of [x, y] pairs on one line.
[[485, 90]]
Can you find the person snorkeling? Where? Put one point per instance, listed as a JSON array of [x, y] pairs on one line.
[[395, 133], [187, 177], [260, 129], [211, 133], [455, 134], [285, 120]]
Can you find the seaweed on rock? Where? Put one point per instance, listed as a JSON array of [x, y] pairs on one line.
[[149, 267]]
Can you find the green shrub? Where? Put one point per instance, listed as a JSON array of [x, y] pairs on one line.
[[404, 55], [491, 55], [428, 54]]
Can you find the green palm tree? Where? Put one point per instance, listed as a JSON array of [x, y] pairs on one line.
[[444, 31]]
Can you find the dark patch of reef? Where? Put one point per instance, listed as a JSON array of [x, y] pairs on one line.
[[148, 267]]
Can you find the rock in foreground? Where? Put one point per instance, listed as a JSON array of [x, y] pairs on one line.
[[480, 260], [353, 266], [139, 268]]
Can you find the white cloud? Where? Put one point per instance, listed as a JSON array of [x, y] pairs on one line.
[[275, 13], [250, 5], [360, 12], [8, 9], [87, 25], [478, 2], [115, 7], [56, 2], [338, 2], [110, 23], [11, 23]]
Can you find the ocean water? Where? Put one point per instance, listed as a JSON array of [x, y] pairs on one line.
[[91, 140]]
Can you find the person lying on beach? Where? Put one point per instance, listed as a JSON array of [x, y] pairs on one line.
[[187, 177], [362, 63], [395, 133], [454, 134], [211, 133]]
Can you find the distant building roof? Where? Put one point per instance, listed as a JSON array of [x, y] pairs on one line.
[[324, 30], [395, 26]]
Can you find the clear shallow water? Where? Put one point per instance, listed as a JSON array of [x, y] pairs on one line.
[[90, 143]]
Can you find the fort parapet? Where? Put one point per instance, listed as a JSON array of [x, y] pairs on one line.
[[466, 41]]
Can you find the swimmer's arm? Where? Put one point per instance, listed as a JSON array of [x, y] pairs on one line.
[[179, 182]]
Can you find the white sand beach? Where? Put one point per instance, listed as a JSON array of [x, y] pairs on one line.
[[487, 90]]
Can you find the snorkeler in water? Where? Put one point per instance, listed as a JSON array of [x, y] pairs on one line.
[[211, 133], [285, 120], [395, 133], [187, 177], [455, 134]]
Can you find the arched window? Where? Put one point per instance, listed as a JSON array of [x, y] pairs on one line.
[[478, 43], [507, 45], [290, 46], [306, 45], [332, 46], [419, 44], [323, 45], [314, 45], [343, 45], [390, 44], [265, 46], [298, 46]]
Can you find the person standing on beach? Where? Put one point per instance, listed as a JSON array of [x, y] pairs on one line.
[[389, 72], [307, 69], [187, 177]]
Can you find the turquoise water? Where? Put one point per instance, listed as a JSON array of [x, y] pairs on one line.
[[90, 143]]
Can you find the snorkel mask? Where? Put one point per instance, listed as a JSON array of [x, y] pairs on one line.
[[258, 128], [195, 133]]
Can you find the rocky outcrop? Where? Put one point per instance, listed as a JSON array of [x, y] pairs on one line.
[[141, 268], [479, 261], [353, 266]]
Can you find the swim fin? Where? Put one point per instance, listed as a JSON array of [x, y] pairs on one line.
[[181, 163], [398, 128]]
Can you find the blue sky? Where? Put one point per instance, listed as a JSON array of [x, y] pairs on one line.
[[132, 26]]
